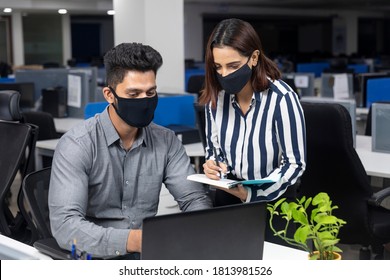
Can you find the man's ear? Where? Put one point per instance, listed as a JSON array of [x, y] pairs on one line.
[[108, 95]]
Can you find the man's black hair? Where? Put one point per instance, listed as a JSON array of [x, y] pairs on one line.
[[130, 56]]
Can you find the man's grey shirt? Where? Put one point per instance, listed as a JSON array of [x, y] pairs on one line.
[[99, 191]]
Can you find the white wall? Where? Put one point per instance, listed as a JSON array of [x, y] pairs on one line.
[[160, 25]]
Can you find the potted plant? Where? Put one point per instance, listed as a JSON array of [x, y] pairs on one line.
[[315, 223]]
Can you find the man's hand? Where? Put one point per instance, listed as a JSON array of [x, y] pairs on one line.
[[134, 241]]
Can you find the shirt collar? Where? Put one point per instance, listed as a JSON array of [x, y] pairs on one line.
[[112, 135]]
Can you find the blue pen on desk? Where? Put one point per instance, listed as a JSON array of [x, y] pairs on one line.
[[73, 251]]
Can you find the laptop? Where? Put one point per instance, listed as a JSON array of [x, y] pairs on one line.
[[234, 232]]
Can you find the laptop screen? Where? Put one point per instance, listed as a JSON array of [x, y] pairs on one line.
[[233, 232]]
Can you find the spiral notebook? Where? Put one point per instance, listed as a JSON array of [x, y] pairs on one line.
[[228, 183], [234, 232]]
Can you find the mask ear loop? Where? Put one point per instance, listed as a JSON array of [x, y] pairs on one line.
[[116, 97]]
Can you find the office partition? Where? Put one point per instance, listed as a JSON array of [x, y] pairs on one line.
[[337, 86], [377, 90], [77, 83], [362, 82], [380, 127], [304, 82], [313, 67], [26, 90]]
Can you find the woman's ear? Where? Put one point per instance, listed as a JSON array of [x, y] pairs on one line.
[[255, 57], [108, 95]]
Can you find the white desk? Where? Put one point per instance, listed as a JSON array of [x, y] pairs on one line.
[[44, 148], [11, 249], [376, 164], [64, 124], [273, 251]]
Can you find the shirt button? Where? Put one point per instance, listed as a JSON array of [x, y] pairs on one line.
[[124, 207], [117, 253], [127, 182]]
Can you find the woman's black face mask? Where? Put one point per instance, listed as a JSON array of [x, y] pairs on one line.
[[235, 82], [136, 112]]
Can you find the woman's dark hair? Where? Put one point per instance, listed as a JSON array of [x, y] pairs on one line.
[[130, 56], [241, 36]]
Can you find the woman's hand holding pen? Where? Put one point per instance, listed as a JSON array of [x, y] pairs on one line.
[[213, 170]]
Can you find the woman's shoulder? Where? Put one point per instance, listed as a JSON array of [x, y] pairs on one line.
[[280, 87]]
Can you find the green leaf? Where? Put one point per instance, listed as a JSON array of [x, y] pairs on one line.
[[277, 203], [299, 216], [326, 219], [301, 234]]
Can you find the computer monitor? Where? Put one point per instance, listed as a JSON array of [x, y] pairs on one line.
[[304, 82], [26, 90], [337, 85], [362, 81], [42, 79], [377, 90], [349, 104]]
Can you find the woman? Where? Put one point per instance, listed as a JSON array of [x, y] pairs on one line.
[[254, 121]]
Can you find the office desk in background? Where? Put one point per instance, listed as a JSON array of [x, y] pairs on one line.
[[64, 124], [376, 164]]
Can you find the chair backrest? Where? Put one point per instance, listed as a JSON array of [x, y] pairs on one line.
[[9, 105], [17, 145], [44, 121], [15, 139], [201, 122], [35, 189], [35, 209], [333, 166], [195, 84]]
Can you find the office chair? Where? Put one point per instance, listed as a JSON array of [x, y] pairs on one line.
[[47, 130], [35, 208], [200, 116], [17, 144], [195, 84], [334, 167]]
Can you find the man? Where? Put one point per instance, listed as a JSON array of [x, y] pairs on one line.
[[107, 172]]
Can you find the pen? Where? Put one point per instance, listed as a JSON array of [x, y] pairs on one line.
[[217, 161], [73, 252]]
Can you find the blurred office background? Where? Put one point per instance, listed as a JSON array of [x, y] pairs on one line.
[[32, 32]]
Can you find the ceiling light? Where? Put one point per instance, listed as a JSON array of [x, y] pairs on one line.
[[62, 11], [7, 10], [111, 12]]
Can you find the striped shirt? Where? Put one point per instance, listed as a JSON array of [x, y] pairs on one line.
[[270, 138]]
